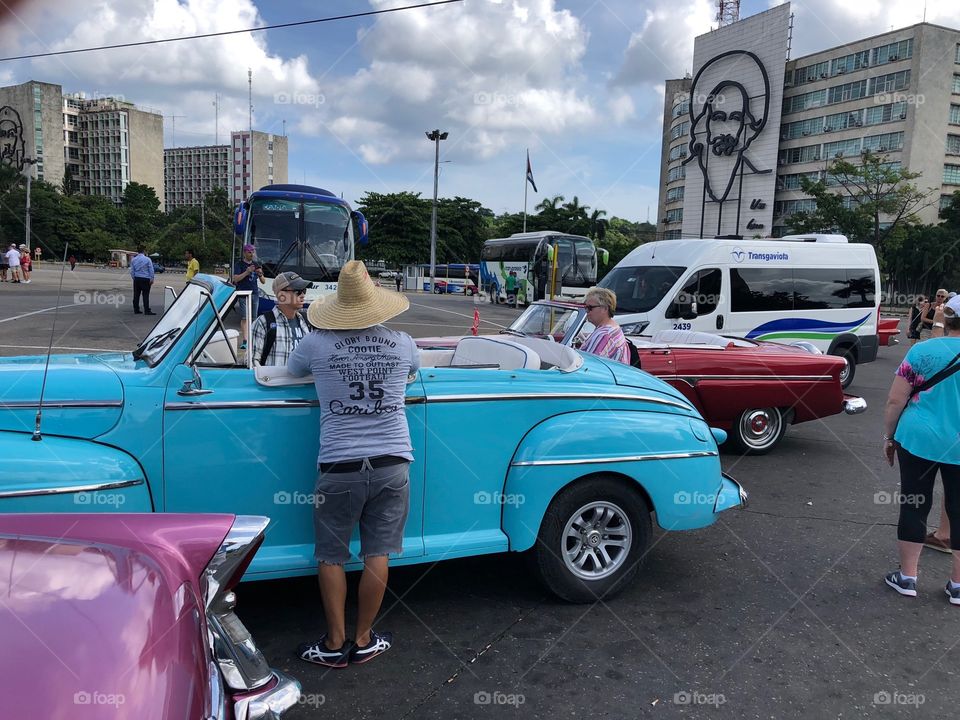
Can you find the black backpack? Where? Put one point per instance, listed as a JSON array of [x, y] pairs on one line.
[[634, 355], [271, 337]]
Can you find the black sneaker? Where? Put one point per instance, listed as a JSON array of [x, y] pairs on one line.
[[953, 594], [904, 587], [149, 312], [379, 644], [319, 654]]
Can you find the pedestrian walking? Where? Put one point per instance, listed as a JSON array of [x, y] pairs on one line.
[[360, 369], [141, 270], [511, 286], [399, 280], [920, 421], [73, 263], [193, 265], [26, 264]]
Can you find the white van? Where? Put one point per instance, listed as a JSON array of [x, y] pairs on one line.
[[819, 289]]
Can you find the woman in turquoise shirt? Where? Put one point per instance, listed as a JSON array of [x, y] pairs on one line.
[[921, 423]]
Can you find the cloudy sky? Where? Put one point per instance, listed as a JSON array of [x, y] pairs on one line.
[[578, 82]]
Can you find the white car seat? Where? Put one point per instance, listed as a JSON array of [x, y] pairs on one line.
[[503, 354]]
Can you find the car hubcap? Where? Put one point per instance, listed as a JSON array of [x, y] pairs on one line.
[[760, 427], [596, 540], [845, 373]]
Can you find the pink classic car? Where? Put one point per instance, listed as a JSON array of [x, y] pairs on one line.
[[131, 616]]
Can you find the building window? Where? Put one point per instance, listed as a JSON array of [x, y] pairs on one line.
[[672, 235], [792, 181], [954, 114], [884, 143], [790, 207], [956, 85], [681, 108], [803, 128], [886, 113], [847, 91], [956, 57], [678, 130], [807, 153], [890, 83], [676, 173], [951, 174], [796, 103], [841, 148], [680, 151], [675, 215], [675, 194], [945, 202], [953, 144], [893, 52]]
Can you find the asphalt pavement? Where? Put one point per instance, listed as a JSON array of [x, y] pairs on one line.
[[776, 611]]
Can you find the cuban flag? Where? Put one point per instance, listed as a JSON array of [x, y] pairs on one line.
[[530, 173]]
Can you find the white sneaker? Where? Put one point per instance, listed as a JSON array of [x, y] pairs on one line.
[[27, 282]]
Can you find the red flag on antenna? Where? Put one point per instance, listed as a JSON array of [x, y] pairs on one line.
[[475, 328]]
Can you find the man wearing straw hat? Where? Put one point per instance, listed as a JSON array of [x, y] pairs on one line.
[[360, 369]]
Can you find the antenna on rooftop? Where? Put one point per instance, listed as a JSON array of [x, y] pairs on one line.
[[728, 12]]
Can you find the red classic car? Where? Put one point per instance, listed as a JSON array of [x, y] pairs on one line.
[[751, 389], [888, 328], [131, 616]]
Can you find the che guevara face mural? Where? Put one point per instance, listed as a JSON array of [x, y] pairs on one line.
[[11, 138], [725, 119]]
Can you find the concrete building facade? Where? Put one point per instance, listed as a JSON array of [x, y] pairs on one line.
[[896, 95], [190, 173], [39, 106], [256, 162]]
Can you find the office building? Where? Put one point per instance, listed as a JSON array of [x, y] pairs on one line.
[[190, 173], [256, 162], [773, 122], [38, 106]]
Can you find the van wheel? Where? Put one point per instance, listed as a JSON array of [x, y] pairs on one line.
[[758, 430], [592, 540], [850, 366]]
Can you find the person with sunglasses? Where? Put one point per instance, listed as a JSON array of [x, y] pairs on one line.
[[926, 314], [278, 332], [607, 340]]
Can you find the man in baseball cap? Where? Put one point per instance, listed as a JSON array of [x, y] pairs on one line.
[[361, 369], [278, 332]]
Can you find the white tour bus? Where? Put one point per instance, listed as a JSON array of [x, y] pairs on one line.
[[814, 288]]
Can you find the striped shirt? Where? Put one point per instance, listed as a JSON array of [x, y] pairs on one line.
[[608, 341]]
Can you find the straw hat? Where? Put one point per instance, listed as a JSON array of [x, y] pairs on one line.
[[358, 303]]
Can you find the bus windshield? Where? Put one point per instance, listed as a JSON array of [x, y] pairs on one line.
[[640, 288], [311, 238]]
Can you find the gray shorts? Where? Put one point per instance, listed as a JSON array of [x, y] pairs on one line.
[[377, 498]]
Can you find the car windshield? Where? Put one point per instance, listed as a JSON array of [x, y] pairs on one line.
[[312, 239], [176, 318], [640, 288], [543, 320]]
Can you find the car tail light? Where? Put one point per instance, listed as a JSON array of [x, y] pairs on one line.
[[240, 661]]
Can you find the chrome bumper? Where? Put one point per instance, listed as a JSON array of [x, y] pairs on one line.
[[269, 704], [853, 405], [731, 495]]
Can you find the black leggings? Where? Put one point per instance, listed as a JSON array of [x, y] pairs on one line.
[[917, 479]]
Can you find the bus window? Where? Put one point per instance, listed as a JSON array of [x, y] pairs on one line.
[[566, 268], [586, 262]]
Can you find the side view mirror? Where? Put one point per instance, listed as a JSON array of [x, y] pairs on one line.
[[604, 256], [550, 251], [193, 386], [685, 306], [240, 220], [363, 234]]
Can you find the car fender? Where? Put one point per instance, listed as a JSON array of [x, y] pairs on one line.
[[672, 460], [58, 474], [845, 339]]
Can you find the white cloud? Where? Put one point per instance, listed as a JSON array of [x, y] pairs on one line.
[[621, 108]]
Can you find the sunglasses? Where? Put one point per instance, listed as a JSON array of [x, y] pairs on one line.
[[588, 308]]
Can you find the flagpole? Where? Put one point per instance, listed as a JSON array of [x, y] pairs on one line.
[[525, 190]]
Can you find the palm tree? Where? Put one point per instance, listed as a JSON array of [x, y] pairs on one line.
[[598, 226], [549, 204], [575, 210]]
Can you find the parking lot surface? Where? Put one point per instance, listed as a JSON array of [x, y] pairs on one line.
[[776, 611]]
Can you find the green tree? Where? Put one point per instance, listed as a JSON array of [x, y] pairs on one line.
[[399, 227], [141, 213]]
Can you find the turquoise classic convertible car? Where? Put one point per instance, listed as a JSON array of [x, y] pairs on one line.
[[521, 444]]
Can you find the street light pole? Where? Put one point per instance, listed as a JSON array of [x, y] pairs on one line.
[[436, 136]]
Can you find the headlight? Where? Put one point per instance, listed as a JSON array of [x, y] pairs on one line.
[[634, 328]]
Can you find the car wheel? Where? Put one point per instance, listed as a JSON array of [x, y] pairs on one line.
[[850, 366], [438, 290], [758, 430], [592, 539]]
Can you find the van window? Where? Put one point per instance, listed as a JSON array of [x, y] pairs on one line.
[[779, 289], [703, 289], [641, 288]]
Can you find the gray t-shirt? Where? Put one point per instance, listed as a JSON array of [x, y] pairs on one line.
[[361, 378]]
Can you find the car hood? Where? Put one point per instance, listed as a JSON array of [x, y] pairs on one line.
[[83, 396], [102, 615]]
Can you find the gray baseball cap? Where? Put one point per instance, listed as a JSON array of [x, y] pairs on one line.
[[289, 281]]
